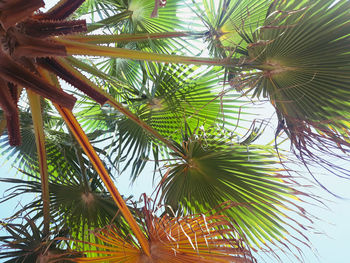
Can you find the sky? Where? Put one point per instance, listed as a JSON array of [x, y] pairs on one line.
[[331, 240]]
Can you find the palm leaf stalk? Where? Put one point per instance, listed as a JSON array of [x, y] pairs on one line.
[[106, 39], [79, 48], [35, 106], [202, 237], [95, 160], [84, 142]]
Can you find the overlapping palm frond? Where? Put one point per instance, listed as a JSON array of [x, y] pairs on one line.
[[202, 237], [302, 56], [226, 20], [218, 169], [139, 20], [26, 243], [173, 94], [78, 202], [60, 146], [193, 95]]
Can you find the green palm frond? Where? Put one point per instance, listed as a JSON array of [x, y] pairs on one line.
[[193, 95], [140, 19], [216, 169], [173, 95], [303, 59], [226, 20], [81, 204], [60, 145], [26, 243]]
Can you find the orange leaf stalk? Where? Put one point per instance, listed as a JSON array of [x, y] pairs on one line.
[[84, 142], [35, 107], [82, 139]]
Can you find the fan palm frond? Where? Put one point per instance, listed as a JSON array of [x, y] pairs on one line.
[[226, 20], [302, 55], [140, 19], [81, 204], [60, 146], [174, 94], [26, 243], [217, 169]]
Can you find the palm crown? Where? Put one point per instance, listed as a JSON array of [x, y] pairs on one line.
[[147, 96]]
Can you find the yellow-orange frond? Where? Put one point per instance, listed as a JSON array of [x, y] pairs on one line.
[[173, 240]]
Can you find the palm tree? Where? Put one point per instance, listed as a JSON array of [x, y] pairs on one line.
[[222, 192]]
